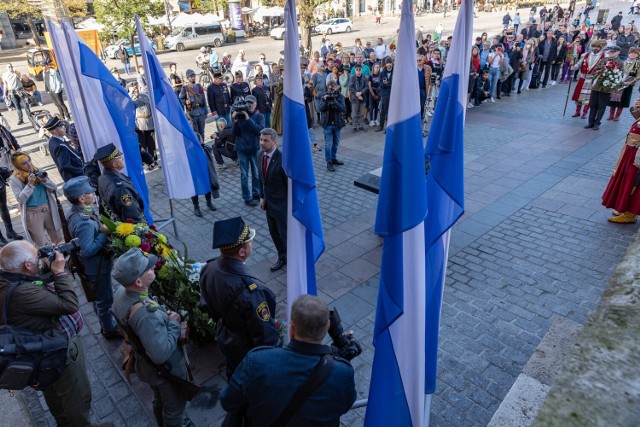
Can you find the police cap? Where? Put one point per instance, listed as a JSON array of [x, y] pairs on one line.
[[53, 123], [107, 153], [231, 233]]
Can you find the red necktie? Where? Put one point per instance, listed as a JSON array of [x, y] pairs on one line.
[[265, 162]]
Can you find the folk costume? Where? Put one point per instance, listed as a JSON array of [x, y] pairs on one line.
[[582, 92], [622, 98], [621, 193]]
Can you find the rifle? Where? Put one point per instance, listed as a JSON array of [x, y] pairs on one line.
[[185, 388], [75, 267]]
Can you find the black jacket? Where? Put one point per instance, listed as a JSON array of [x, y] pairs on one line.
[[552, 51], [218, 99], [337, 106]]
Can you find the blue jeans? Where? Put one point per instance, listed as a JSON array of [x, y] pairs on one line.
[[197, 123], [331, 142], [18, 104], [423, 99], [127, 67], [38, 96], [248, 161], [102, 306], [494, 76]]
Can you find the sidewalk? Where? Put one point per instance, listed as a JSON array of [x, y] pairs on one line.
[[533, 246]]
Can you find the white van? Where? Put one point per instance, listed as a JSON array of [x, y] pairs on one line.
[[194, 36]]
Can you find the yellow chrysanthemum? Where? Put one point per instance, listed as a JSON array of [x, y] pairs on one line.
[[132, 241], [162, 238], [124, 229], [163, 250]]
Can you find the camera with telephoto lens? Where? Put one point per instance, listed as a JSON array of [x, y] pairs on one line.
[[40, 174], [344, 343], [65, 249], [240, 105]]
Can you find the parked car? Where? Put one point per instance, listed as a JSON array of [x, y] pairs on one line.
[[336, 25], [278, 32], [113, 51], [194, 36]]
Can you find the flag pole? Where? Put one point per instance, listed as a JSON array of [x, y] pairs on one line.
[[427, 409]]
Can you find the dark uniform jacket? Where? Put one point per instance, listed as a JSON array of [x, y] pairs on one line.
[[241, 306], [264, 99], [120, 197], [273, 186], [239, 89], [158, 334], [218, 99], [68, 161], [268, 377], [33, 306], [84, 224]]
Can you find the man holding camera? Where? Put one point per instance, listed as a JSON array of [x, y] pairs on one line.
[[266, 381], [68, 161], [332, 119], [247, 124], [39, 306], [239, 303], [95, 262], [193, 98], [158, 329]]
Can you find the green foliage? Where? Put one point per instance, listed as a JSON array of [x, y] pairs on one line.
[[118, 15]]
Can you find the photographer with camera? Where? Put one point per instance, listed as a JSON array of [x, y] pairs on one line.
[[332, 120], [95, 262], [35, 194], [161, 362], [43, 307], [271, 386], [247, 124]]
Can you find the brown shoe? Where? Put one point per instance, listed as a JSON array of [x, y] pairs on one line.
[[625, 218]]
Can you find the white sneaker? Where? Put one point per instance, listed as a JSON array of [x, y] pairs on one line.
[[553, 82], [493, 100], [430, 113], [372, 123], [40, 104], [470, 105]]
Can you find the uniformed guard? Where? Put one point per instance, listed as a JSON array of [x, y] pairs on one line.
[[95, 260], [192, 97], [116, 191], [240, 304], [156, 328], [68, 160], [218, 97]]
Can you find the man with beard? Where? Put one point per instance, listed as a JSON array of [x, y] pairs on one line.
[[588, 64]]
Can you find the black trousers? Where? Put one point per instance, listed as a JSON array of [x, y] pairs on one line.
[[4, 210], [62, 108], [545, 67], [385, 110], [218, 152], [147, 142], [555, 70], [278, 231], [196, 202], [597, 104]]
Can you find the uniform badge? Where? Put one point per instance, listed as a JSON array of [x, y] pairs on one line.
[[263, 311], [127, 200], [253, 287]]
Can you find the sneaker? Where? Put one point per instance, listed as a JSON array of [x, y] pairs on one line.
[[470, 105], [553, 82], [372, 123], [493, 100], [361, 129], [429, 113], [354, 130], [40, 104]]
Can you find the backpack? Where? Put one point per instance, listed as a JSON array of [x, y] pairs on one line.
[[29, 358]]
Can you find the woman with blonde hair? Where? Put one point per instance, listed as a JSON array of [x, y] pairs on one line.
[[35, 194]]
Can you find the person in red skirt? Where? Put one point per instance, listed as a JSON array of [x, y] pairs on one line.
[[622, 194]]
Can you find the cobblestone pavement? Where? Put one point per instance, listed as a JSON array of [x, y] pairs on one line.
[[533, 245]]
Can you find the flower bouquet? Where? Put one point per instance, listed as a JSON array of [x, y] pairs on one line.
[[610, 79], [177, 283]]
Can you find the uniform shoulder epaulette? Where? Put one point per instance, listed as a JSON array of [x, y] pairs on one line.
[[262, 347]]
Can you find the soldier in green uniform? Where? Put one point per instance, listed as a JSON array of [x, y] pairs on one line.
[[157, 328], [241, 304], [115, 189]]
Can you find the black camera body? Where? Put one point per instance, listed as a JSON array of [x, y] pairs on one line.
[[344, 344], [40, 174], [65, 249], [240, 105]]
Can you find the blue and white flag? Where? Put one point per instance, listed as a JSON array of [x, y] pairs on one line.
[[102, 110], [184, 163], [396, 392], [445, 180], [305, 238]]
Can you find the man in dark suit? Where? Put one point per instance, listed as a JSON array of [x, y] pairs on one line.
[[273, 192], [547, 50]]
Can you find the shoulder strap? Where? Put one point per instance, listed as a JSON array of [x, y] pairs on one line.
[[192, 92], [7, 297], [133, 310], [319, 375]]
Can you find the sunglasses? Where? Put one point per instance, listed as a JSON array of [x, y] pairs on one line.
[[262, 58]]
